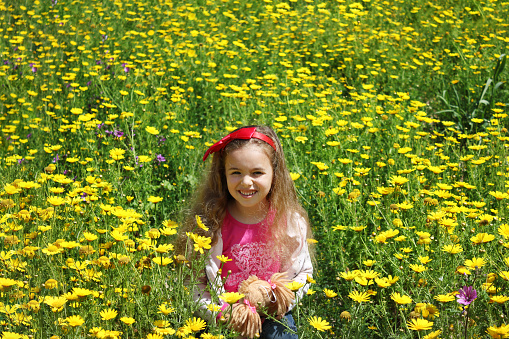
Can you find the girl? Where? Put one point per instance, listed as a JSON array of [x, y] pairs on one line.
[[250, 206]]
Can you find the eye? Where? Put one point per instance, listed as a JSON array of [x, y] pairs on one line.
[[258, 173]]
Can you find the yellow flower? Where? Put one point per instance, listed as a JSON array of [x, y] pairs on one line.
[[127, 320], [75, 320], [117, 153], [152, 130], [154, 200], [481, 238], [432, 335], [50, 284], [401, 299], [453, 249], [418, 268], [294, 176], [359, 296], [55, 201], [345, 315], [499, 299], [397, 180], [108, 314], [231, 297], [200, 242], [163, 261], [475, 263], [445, 298], [223, 259], [419, 324], [165, 309], [200, 223], [294, 286], [319, 324], [498, 332], [329, 293], [196, 324]]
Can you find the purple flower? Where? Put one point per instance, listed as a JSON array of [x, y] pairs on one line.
[[55, 159], [467, 295], [118, 134], [160, 158]]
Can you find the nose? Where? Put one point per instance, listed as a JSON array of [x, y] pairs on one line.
[[247, 181]]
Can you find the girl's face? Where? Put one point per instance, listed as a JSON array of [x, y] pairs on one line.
[[249, 179]]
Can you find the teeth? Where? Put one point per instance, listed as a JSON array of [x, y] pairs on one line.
[[247, 193]]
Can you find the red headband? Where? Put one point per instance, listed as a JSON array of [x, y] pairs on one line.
[[245, 133]]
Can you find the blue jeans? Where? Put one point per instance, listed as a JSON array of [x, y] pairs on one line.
[[279, 329]]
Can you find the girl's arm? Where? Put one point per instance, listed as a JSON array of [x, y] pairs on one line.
[[301, 266]]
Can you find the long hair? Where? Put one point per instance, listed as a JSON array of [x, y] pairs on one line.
[[212, 197]]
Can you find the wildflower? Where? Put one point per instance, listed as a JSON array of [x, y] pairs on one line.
[[196, 324], [444, 298], [329, 293], [154, 200], [200, 223], [345, 315], [165, 309], [359, 296], [466, 295], [503, 230], [418, 268], [481, 238], [427, 310], [504, 275], [223, 259], [55, 201], [397, 180], [452, 249], [127, 320], [200, 242], [433, 335], [117, 153], [50, 284], [499, 299], [231, 297], [75, 320], [498, 332], [11, 335], [475, 263], [108, 314], [295, 176], [151, 130], [295, 286], [319, 324], [154, 336], [419, 324], [401, 299]]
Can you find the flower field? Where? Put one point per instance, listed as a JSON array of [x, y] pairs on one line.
[[393, 116]]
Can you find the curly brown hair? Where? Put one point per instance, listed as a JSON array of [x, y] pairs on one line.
[[212, 197]]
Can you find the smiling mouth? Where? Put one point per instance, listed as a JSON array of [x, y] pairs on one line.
[[247, 194]]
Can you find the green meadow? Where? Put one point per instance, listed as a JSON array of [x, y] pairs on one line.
[[393, 116]]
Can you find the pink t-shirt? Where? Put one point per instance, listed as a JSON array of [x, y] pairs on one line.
[[246, 245]]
